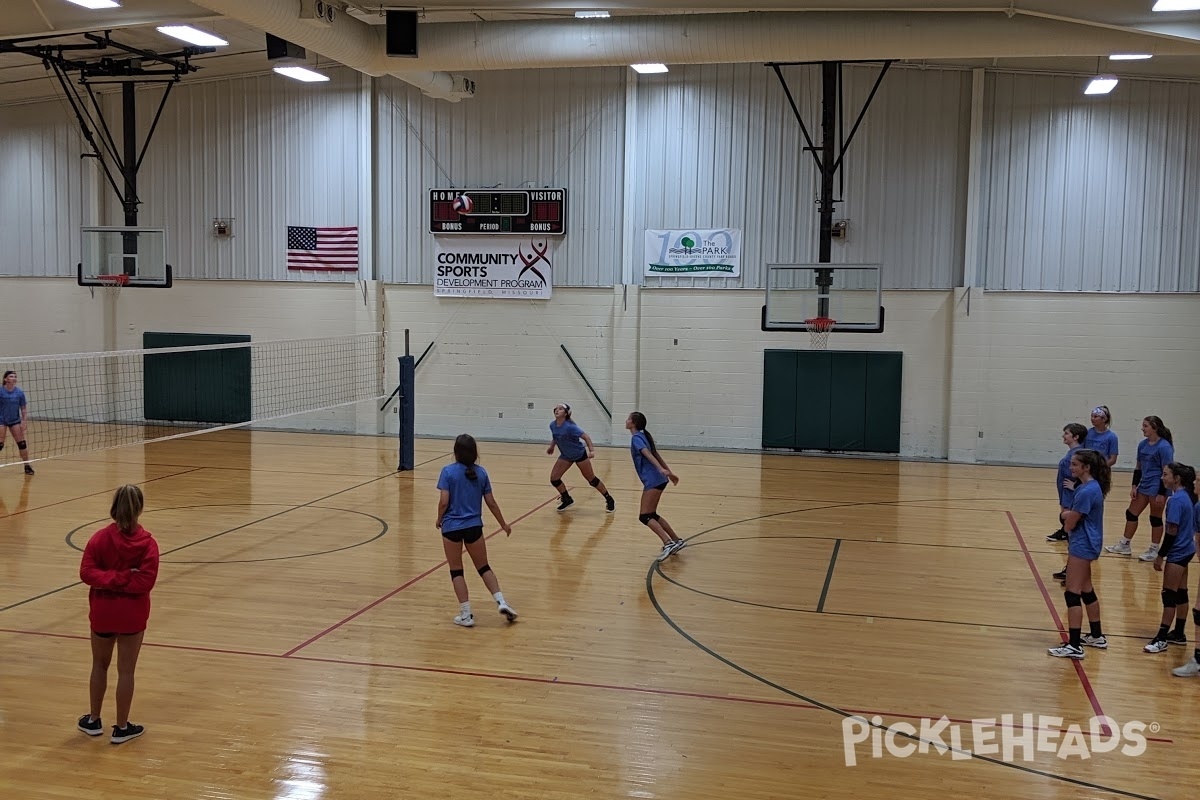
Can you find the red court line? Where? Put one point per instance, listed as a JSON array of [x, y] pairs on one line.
[[1062, 630], [403, 586], [535, 679]]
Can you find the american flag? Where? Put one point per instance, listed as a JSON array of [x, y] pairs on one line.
[[329, 249]]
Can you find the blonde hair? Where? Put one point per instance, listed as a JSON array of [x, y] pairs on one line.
[[127, 507]]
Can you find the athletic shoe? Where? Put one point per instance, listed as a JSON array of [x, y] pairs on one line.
[[507, 611], [1188, 670], [1150, 554], [678, 545], [466, 620], [1119, 549], [1099, 642], [1058, 536], [1157, 646], [667, 550], [92, 727], [130, 731], [1066, 651], [610, 505], [28, 470], [1174, 637], [567, 502], [1061, 575]]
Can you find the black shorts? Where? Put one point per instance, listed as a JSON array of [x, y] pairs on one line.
[[111, 635], [468, 535], [1183, 562], [661, 487], [573, 460]]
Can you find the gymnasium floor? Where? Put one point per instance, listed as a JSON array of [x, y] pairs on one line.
[[301, 643]]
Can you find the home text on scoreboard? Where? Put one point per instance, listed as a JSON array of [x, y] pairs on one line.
[[498, 211]]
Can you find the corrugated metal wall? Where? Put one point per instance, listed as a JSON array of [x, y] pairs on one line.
[[1091, 193], [549, 127], [42, 193], [719, 146], [265, 150]]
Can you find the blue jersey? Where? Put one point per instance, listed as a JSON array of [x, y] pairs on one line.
[[466, 496], [568, 438], [1103, 443], [1181, 512], [1196, 517], [11, 404], [647, 470], [1088, 536], [1151, 458], [1065, 496]]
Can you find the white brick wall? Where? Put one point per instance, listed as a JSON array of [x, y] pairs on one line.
[[1018, 368]]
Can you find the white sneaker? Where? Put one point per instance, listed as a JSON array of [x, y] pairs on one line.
[[1150, 554], [1120, 549], [507, 611], [1157, 646], [667, 550], [678, 545], [1099, 642], [1188, 670], [466, 620], [1066, 651]]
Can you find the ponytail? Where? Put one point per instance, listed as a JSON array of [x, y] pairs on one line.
[[1097, 466], [1162, 430], [1187, 478], [639, 423], [466, 452], [126, 507]]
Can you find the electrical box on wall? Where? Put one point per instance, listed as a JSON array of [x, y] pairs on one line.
[[839, 228], [223, 228]]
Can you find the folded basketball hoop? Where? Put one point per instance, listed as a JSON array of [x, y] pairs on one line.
[[819, 329]]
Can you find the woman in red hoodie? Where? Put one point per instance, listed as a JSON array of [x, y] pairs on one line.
[[120, 563]]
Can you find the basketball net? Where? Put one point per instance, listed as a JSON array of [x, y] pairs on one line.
[[112, 284], [818, 330]]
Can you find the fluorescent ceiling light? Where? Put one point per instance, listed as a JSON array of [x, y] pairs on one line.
[[1177, 5], [649, 68], [1101, 84], [302, 74], [1130, 57], [96, 4], [591, 15], [192, 35]]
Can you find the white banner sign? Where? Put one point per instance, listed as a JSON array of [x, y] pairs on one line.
[[694, 254], [493, 266]]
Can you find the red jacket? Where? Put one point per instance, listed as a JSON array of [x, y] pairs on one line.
[[120, 597]]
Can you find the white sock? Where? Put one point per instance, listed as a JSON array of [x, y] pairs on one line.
[[466, 609], [499, 598], [1125, 540]]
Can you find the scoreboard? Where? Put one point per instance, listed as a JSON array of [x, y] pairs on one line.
[[498, 211]]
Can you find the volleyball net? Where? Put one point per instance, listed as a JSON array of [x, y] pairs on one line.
[[82, 402]]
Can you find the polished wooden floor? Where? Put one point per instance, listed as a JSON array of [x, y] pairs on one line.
[[301, 643]]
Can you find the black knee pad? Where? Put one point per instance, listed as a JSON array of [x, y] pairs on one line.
[[645, 518], [484, 569], [556, 484], [455, 573], [1181, 596], [1168, 598], [1073, 600], [1, 445], [21, 445], [1155, 522], [594, 481], [1130, 516], [1196, 616], [1089, 597]]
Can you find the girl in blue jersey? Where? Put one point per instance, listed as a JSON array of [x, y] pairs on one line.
[[571, 440], [654, 474], [1085, 528], [1192, 668], [1178, 548], [1153, 453], [1101, 438], [13, 416], [1072, 436], [465, 487]]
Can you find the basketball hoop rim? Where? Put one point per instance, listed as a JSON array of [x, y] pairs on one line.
[[820, 324]]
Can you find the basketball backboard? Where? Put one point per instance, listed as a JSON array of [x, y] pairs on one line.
[[850, 294], [138, 253]]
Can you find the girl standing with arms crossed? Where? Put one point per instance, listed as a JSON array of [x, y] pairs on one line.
[[120, 563], [465, 487], [1085, 527], [654, 474], [1178, 549], [1153, 453], [570, 439]]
